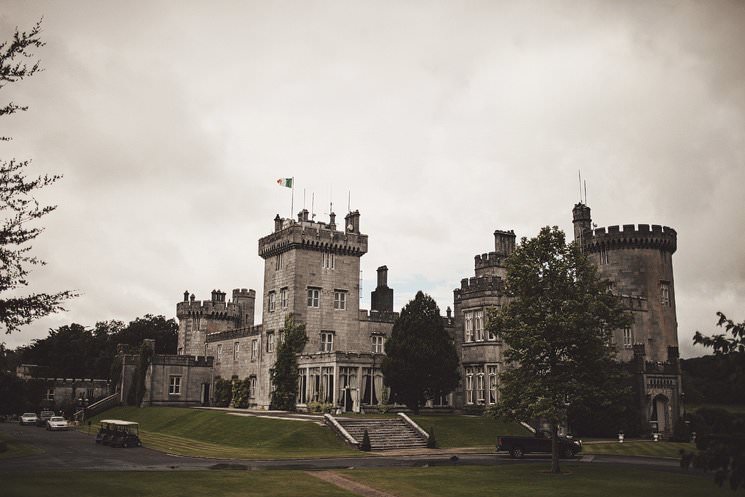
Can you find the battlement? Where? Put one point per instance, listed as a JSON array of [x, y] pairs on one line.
[[492, 259], [630, 236], [634, 303], [208, 308], [181, 360], [377, 316], [469, 286], [233, 334], [244, 292], [311, 235]]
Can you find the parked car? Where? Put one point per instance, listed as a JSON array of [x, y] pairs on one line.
[[540, 442], [44, 416], [58, 423], [29, 418]]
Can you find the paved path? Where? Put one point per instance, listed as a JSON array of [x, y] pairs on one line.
[[347, 484]]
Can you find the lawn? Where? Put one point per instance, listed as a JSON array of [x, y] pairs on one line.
[[218, 434], [167, 484], [531, 480], [639, 448], [469, 431], [14, 448]]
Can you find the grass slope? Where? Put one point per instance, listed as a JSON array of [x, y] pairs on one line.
[[14, 448], [639, 448], [530, 480], [163, 484], [468, 431], [218, 434]]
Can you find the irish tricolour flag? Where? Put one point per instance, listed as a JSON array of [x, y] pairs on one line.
[[285, 182]]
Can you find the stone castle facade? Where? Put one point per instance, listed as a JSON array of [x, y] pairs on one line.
[[311, 269]]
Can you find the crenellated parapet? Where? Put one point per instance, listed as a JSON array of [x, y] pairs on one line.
[[247, 331], [377, 316], [470, 287], [634, 303], [310, 235], [180, 360], [209, 309], [630, 236], [491, 259]]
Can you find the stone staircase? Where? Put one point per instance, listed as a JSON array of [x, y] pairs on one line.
[[385, 433]]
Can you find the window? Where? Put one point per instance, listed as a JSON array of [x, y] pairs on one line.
[[328, 262], [206, 349], [174, 385], [493, 379], [236, 347], [469, 385], [314, 297], [628, 338], [254, 349], [270, 342], [327, 341], [180, 351], [478, 325], [283, 298], [219, 352], [603, 257], [272, 301], [377, 343], [665, 293], [50, 394], [279, 262], [252, 387], [469, 326], [480, 387], [340, 300]]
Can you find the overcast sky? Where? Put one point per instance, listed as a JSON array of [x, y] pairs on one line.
[[171, 122]]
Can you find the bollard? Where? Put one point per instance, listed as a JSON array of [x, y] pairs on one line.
[[656, 437], [620, 437]]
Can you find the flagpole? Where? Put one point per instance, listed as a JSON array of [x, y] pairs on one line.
[[292, 202]]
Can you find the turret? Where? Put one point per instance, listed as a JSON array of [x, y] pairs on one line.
[[581, 219], [277, 223], [352, 222]]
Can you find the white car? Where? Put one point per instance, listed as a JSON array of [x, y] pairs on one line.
[[57, 423], [29, 418]]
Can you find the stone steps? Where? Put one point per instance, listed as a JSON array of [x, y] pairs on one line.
[[384, 434]]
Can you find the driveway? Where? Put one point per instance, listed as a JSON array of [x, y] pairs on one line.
[[73, 450]]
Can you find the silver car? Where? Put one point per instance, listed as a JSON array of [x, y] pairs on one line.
[[29, 418], [57, 423]]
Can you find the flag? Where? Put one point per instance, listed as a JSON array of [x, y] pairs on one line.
[[285, 182]]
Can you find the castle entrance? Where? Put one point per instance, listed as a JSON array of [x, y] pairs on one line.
[[660, 416]]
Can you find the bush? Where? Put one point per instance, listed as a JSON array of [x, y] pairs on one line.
[[432, 441], [320, 407], [365, 445], [223, 392]]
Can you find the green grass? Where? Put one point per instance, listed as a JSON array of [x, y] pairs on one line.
[[531, 480], [218, 434], [167, 484], [469, 431], [639, 448], [17, 449]]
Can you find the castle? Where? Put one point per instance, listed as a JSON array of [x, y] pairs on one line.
[[311, 269]]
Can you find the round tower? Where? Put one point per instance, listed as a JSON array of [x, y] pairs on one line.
[[638, 260], [581, 219]]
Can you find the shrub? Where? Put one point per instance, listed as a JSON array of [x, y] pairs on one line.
[[432, 441], [365, 445]]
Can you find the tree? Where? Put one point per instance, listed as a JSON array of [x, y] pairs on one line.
[[557, 328], [285, 372], [421, 362], [723, 451], [18, 206]]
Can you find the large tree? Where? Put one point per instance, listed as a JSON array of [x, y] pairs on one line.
[[557, 328], [19, 209], [285, 372], [724, 451], [421, 362]]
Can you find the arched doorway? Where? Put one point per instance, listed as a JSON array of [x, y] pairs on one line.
[[660, 416]]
